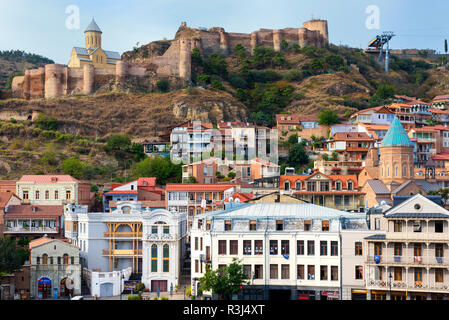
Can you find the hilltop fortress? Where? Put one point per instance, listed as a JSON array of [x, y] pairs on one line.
[[92, 69]]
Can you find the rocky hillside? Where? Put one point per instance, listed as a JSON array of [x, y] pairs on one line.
[[138, 115], [14, 62]]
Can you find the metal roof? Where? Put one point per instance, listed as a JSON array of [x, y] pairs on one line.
[[93, 26], [422, 215], [281, 210], [378, 187], [376, 237], [112, 54], [396, 135]]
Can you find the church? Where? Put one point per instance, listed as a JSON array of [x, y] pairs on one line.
[[389, 170], [92, 53]]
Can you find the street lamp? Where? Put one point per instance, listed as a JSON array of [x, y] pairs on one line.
[[121, 282], [390, 277]]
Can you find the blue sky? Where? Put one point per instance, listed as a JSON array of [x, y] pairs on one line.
[[39, 26]]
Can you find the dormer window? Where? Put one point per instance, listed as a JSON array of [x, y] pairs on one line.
[[279, 225], [54, 179], [350, 185], [228, 225], [253, 225], [325, 225]]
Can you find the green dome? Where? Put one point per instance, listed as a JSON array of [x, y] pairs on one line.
[[396, 135]]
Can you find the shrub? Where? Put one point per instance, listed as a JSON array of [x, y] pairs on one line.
[[164, 298], [134, 297], [231, 174], [163, 84], [140, 287]]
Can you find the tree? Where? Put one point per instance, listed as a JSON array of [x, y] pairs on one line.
[[224, 281], [45, 122], [137, 151], [297, 156], [119, 142], [74, 167], [444, 193], [10, 258], [293, 139], [385, 91], [231, 174], [161, 168], [328, 117]]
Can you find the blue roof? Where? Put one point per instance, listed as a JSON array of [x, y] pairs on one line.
[[396, 135], [92, 26]]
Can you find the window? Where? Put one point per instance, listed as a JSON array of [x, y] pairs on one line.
[[258, 247], [325, 225], [207, 224], [196, 243], [72, 260], [438, 226], [377, 224], [154, 230], [417, 250], [398, 249], [324, 186], [338, 200], [358, 249], [397, 226], [25, 195], [334, 248], [418, 275], [338, 185], [37, 195], [307, 225], [247, 247], [166, 230], [228, 225], [56, 194], [439, 275], [38, 260], [300, 271], [68, 195], [323, 248], [253, 225], [197, 269], [154, 258], [310, 248], [51, 260], [59, 260], [311, 272], [311, 186], [298, 185], [44, 259], [300, 247], [258, 271], [285, 246], [247, 270], [279, 225], [165, 258], [221, 246], [233, 246], [274, 271], [350, 185], [285, 271], [65, 259], [273, 247], [323, 272], [378, 248], [439, 250], [47, 194], [359, 273], [397, 274], [379, 273], [334, 273]]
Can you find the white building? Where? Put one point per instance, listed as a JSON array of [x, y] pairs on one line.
[[288, 250], [150, 243]]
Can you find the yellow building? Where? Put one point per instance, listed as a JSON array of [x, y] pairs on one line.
[[93, 53]]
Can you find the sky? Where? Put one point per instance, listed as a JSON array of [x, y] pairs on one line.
[[40, 26]]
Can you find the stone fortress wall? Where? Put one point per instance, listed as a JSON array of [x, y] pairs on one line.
[[56, 80]]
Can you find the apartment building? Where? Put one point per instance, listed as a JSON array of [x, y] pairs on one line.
[[332, 191], [197, 198], [53, 190], [408, 260], [150, 243], [190, 140], [288, 250], [351, 145]]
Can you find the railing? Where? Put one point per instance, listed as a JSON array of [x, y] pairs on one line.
[[122, 252], [383, 284], [123, 235], [410, 236], [409, 260], [31, 230]]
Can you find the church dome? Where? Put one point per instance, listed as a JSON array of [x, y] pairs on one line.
[[396, 135], [93, 26]]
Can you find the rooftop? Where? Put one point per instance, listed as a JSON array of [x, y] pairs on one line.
[[47, 178], [396, 135]]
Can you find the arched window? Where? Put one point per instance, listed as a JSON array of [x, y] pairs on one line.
[[65, 259], [383, 171], [47, 194], [166, 255], [154, 258], [388, 171], [37, 194], [396, 173], [404, 171], [44, 259], [298, 185]]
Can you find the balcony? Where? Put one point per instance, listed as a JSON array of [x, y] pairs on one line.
[[122, 252], [417, 236], [122, 235], [409, 260], [385, 285], [31, 230]]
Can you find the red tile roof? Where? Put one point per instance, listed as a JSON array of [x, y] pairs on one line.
[[41, 211], [441, 156], [308, 118], [242, 196], [441, 97], [199, 186], [4, 198], [146, 182], [48, 178], [294, 118]]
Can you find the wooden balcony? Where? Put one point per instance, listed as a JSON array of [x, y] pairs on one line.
[[123, 235], [122, 252]]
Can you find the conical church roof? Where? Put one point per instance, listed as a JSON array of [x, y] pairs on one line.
[[93, 26], [396, 135]]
